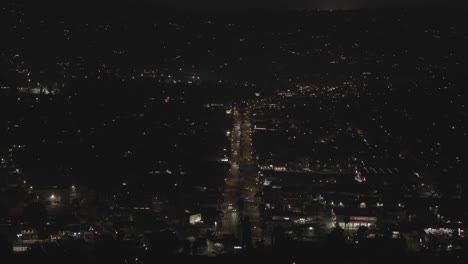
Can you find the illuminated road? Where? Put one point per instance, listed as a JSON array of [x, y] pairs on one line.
[[249, 176], [232, 187], [242, 180]]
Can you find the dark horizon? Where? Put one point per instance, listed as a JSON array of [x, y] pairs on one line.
[[246, 5], [305, 4]]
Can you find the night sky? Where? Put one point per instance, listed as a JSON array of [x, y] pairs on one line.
[[242, 5], [306, 4]]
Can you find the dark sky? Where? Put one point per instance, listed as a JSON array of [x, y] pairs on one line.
[[87, 6], [304, 4]]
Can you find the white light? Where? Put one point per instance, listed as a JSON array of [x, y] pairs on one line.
[[52, 196]]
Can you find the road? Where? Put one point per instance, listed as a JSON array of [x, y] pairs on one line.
[[242, 180], [232, 183]]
